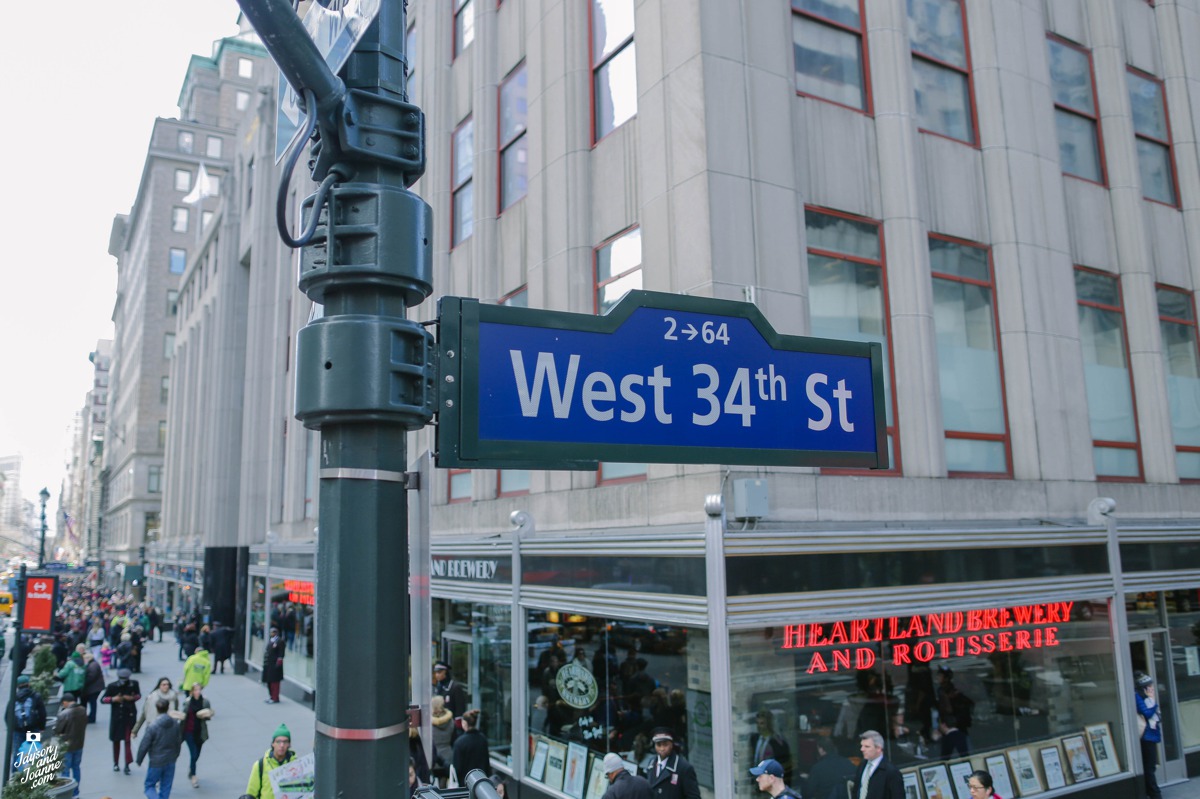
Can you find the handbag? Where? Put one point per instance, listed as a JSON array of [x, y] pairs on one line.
[[1141, 725]]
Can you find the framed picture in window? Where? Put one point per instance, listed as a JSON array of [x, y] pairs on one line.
[[912, 789], [1002, 782], [576, 774], [937, 782], [1078, 759], [597, 780], [537, 766], [1052, 765], [1104, 753], [960, 772], [1024, 771], [556, 765]]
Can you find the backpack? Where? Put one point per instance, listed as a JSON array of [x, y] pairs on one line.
[[28, 715]]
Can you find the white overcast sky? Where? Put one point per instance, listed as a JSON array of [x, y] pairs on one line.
[[81, 94]]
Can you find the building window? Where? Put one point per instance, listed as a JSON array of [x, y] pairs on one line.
[[245, 68], [827, 45], [186, 141], [462, 170], [1155, 163], [183, 180], [172, 302], [164, 389], [513, 481], [1075, 110], [618, 268], [154, 475], [241, 100], [205, 218], [153, 526], [178, 260], [169, 346], [162, 435], [460, 485], [1111, 408], [464, 25], [514, 154], [212, 147], [970, 367], [937, 31], [1177, 319], [179, 220], [614, 65], [847, 293]]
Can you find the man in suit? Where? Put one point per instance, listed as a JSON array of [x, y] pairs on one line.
[[877, 778], [670, 775]]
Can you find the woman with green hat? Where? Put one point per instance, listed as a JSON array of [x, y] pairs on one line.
[[280, 752]]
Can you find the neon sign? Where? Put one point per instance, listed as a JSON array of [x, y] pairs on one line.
[[925, 636], [299, 591]]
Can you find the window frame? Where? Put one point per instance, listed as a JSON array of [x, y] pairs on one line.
[[892, 431], [1195, 325], [1006, 437], [208, 147], [248, 72], [966, 72], [1169, 143], [1095, 120], [1136, 446], [164, 389], [181, 219], [596, 284], [502, 146], [172, 302], [241, 100], [168, 346], [190, 138], [183, 176], [455, 188], [457, 8], [154, 479], [596, 67], [868, 98], [450, 498], [171, 251]]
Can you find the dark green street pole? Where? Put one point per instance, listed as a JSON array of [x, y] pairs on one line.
[[364, 378], [12, 671]]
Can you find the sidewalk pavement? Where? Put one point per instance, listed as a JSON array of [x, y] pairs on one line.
[[239, 732]]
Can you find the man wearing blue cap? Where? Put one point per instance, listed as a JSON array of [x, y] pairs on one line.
[[769, 777]]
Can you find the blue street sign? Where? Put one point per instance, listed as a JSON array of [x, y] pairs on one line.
[[662, 378]]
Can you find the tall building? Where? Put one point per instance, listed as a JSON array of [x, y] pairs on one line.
[[1002, 195], [185, 163], [80, 511], [13, 520]]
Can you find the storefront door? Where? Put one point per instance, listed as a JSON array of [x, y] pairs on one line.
[[1148, 652], [463, 662]]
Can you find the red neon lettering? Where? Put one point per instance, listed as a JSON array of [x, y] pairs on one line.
[[858, 631], [1006, 642], [838, 636], [988, 642], [1023, 639], [816, 635], [990, 619], [1025, 613], [900, 655], [841, 659], [793, 636], [924, 651], [944, 645], [864, 658], [817, 663], [916, 627], [894, 628], [1052, 636], [974, 620]]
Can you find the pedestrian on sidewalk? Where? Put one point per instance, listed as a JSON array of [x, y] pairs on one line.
[[279, 753], [163, 690], [26, 713], [197, 670], [161, 742], [93, 684], [272, 671], [73, 674], [196, 713], [122, 694], [70, 726], [222, 641]]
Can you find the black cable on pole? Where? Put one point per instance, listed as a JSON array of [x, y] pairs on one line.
[[285, 179]]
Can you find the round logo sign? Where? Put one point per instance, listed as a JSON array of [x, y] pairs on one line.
[[576, 686]]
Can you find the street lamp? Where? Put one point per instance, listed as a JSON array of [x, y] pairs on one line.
[[44, 494]]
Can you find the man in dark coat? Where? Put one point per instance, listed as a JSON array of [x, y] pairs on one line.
[[471, 749], [450, 689], [828, 777], [671, 776], [622, 784], [93, 685], [883, 780], [161, 742], [26, 713], [123, 695], [222, 641], [272, 671]]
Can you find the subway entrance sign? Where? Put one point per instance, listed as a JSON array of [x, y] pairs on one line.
[[38, 604], [661, 378]]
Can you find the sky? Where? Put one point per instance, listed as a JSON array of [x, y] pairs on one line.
[[79, 102]]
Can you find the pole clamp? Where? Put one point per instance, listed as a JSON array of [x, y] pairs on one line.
[[348, 734]]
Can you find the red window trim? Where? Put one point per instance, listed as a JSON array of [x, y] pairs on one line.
[[1095, 119], [1168, 143], [633, 478], [966, 73], [868, 98], [501, 145], [455, 188], [1136, 445], [596, 67], [1192, 323], [596, 284], [1006, 436], [501, 493], [513, 293], [450, 498], [893, 430]]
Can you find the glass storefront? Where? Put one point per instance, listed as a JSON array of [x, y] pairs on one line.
[[1027, 692], [1183, 626], [290, 602], [598, 685]]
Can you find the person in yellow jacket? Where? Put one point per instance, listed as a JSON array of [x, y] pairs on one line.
[[280, 752], [197, 670]]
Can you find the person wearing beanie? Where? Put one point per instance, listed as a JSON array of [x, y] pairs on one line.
[[622, 784], [1149, 719], [280, 752], [72, 674], [70, 726], [26, 713]]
